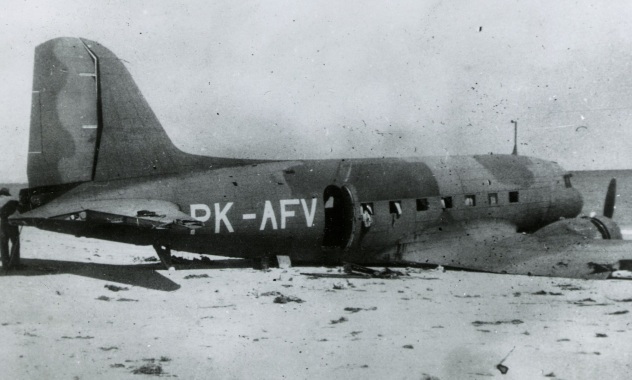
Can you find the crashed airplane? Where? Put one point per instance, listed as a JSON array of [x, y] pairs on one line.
[[100, 165]]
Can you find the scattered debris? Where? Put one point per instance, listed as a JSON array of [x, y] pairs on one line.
[[543, 293], [272, 293], [115, 288], [601, 335], [564, 340], [425, 376], [148, 369], [339, 320], [623, 300], [351, 268], [126, 300], [588, 302], [108, 348], [190, 276], [357, 309], [165, 359], [77, 337], [469, 296], [620, 312], [569, 287], [408, 346], [285, 299], [550, 374], [503, 368], [513, 322], [104, 298], [339, 286], [117, 365]]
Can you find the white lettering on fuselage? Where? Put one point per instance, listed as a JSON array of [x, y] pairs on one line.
[[287, 210]]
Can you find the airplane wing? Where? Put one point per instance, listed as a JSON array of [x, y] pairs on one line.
[[571, 256], [138, 213]]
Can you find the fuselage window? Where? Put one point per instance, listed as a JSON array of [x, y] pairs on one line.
[[446, 202], [367, 214], [470, 200], [492, 198], [367, 207], [567, 181], [513, 197], [395, 207], [422, 204]]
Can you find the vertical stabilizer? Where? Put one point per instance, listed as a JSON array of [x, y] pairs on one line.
[[90, 122]]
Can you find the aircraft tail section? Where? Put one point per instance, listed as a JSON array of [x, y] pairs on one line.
[[90, 122]]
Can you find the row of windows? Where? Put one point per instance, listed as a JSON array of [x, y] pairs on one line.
[[423, 204]]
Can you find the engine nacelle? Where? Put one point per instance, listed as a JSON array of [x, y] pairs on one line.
[[588, 227]]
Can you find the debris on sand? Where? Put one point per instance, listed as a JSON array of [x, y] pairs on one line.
[[587, 302], [425, 376], [339, 320], [117, 365], [357, 309], [115, 288], [108, 348], [550, 374], [104, 298], [512, 322], [408, 346], [273, 293], [601, 335], [126, 300], [285, 299], [543, 293], [502, 368], [620, 312], [351, 268], [77, 337], [190, 276], [148, 369]]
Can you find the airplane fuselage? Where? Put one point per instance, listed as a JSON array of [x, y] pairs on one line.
[[319, 210]]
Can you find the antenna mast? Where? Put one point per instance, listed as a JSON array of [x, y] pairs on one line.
[[515, 149]]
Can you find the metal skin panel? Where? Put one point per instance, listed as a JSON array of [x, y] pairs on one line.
[[129, 183]]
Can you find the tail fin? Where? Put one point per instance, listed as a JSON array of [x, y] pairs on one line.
[[89, 121]]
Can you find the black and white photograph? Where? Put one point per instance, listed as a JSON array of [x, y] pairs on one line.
[[426, 190]]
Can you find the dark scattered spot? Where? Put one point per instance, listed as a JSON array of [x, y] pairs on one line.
[[108, 348], [620, 312], [117, 365], [513, 322], [104, 298], [354, 333], [188, 277], [485, 331], [601, 335], [77, 337], [437, 327], [148, 369], [272, 293], [568, 287], [502, 368], [468, 296], [126, 300], [543, 293], [165, 359], [286, 299], [425, 376], [30, 334], [58, 292], [526, 333], [408, 346], [364, 366], [323, 340], [564, 340], [353, 309], [339, 320], [624, 300], [550, 374]]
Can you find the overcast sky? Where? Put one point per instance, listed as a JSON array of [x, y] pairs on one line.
[[329, 79]]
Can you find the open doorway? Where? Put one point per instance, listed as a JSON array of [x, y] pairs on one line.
[[338, 217]]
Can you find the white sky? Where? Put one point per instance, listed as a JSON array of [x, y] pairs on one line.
[[326, 79]]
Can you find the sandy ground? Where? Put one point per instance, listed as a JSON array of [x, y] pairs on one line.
[[86, 309]]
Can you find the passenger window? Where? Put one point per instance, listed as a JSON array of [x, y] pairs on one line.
[[470, 200], [422, 204], [567, 181], [492, 198], [367, 207], [513, 197], [446, 202], [395, 207]]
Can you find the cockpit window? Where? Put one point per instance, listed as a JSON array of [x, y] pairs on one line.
[[567, 181]]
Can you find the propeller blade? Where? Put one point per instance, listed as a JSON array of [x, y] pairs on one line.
[[608, 207]]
